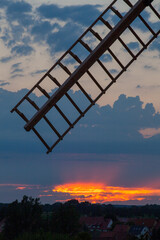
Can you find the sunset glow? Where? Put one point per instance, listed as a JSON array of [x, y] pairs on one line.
[[100, 193], [149, 132], [20, 188]]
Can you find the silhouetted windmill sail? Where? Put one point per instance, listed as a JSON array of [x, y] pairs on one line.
[[76, 68]]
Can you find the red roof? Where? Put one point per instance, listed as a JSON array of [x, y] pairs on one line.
[[121, 231], [95, 221], [120, 228], [148, 222], [123, 219], [107, 235]]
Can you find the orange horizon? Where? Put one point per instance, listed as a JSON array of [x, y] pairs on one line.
[[101, 193]]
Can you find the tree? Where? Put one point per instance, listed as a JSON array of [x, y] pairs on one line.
[[65, 219], [83, 236], [24, 216]]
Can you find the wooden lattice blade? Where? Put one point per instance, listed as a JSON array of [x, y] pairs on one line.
[[76, 70]]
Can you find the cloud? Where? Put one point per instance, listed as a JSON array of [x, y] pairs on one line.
[[16, 65], [75, 13], [100, 193], [17, 75], [42, 29], [148, 67], [17, 70], [133, 45], [4, 84], [40, 71], [22, 50], [94, 192], [4, 3], [58, 43], [15, 8], [155, 45], [9, 190], [106, 58], [149, 132], [20, 11], [103, 130], [116, 129], [5, 59]]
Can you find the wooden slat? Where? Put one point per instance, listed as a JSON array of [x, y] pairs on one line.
[[94, 80], [65, 68], [63, 115], [105, 69], [21, 115], [96, 34], [43, 91], [41, 138], [84, 91], [75, 57], [45, 118], [86, 46], [116, 58]]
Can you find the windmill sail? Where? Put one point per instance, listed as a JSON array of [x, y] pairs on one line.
[[77, 69]]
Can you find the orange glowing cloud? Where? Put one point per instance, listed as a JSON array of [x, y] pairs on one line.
[[149, 132], [100, 193], [20, 188]]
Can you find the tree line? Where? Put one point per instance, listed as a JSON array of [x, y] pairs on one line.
[[30, 220]]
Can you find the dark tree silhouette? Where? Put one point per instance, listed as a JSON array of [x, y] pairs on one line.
[[66, 219], [24, 216]]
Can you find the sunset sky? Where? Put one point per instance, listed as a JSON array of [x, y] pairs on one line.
[[113, 154]]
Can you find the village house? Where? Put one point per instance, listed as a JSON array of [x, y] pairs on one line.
[[107, 236], [140, 232], [2, 224], [121, 231], [96, 223], [150, 223]]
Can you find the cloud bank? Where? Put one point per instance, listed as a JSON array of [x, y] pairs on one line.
[[117, 129]]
